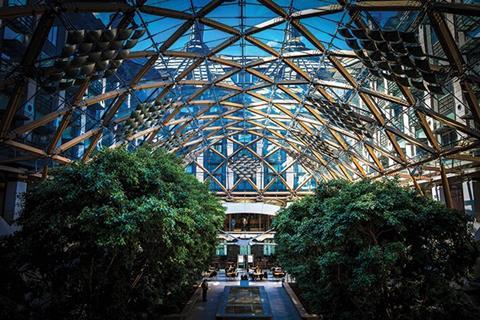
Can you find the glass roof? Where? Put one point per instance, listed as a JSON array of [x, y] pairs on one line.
[[262, 98]]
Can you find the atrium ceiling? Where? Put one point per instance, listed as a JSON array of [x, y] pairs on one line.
[[261, 98]]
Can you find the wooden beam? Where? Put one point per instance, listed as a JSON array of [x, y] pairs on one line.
[[73, 142], [455, 57], [68, 116], [464, 9], [164, 12], [35, 151], [406, 5], [446, 186], [108, 116], [31, 54]]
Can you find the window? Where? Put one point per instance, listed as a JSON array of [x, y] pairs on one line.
[[3, 186], [221, 250], [245, 250], [52, 35], [268, 249]]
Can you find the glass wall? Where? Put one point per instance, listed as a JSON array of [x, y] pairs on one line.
[[247, 222]]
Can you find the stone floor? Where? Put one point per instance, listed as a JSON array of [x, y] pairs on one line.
[[280, 303]]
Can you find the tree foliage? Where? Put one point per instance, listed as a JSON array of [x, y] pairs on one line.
[[374, 250], [122, 237]]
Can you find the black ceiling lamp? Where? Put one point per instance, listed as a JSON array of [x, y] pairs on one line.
[[342, 116], [89, 54], [146, 115], [394, 55]]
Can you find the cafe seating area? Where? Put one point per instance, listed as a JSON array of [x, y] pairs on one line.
[[233, 273]]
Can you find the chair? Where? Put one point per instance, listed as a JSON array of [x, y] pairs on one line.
[[278, 272]]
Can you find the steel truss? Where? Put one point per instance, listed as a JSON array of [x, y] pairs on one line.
[[269, 119]]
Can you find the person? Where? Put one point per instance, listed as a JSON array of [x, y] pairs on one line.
[[204, 289], [233, 223], [244, 224]]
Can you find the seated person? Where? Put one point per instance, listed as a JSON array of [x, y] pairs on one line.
[[278, 272], [231, 272]]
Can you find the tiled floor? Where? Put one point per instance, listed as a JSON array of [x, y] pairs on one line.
[[281, 305]]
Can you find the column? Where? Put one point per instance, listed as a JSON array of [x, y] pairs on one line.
[[200, 174], [471, 198], [229, 178], [13, 199]]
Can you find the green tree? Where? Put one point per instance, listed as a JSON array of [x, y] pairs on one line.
[[121, 237], [375, 250]]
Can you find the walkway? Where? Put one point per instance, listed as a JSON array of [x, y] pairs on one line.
[[280, 303]]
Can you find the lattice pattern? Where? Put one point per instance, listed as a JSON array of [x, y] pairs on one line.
[[244, 166], [302, 94], [146, 114], [342, 116], [316, 143], [92, 54], [395, 56]]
